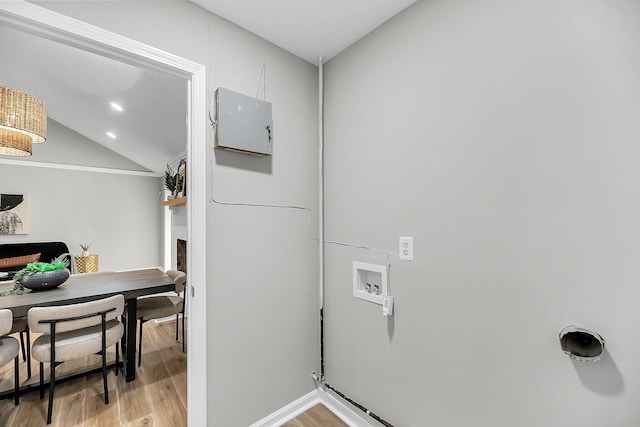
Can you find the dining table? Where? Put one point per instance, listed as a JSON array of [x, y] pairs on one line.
[[92, 286]]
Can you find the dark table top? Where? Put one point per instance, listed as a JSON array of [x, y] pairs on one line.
[[88, 287]]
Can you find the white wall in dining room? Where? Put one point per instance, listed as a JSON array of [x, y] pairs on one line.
[[262, 333], [178, 231], [120, 214]]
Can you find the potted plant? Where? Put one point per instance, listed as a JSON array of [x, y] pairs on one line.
[[85, 248], [170, 181], [40, 276]]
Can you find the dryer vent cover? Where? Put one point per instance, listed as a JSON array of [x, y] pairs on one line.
[[582, 344]]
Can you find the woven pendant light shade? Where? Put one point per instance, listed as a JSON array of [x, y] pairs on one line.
[[14, 143], [23, 121]]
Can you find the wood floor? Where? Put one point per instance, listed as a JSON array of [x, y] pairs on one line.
[[157, 398], [317, 416]]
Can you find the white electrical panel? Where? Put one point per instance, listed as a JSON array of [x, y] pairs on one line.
[[370, 282], [243, 123]]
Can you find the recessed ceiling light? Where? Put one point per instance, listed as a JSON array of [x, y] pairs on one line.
[[116, 107], [111, 135]]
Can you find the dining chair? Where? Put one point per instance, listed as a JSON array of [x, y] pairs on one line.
[[20, 325], [157, 307], [9, 349], [73, 268], [73, 331]]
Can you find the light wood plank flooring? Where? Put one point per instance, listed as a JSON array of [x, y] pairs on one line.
[[317, 416], [157, 398]]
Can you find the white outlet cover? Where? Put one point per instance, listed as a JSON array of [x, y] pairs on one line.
[[405, 248]]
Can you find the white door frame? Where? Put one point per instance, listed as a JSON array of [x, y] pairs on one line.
[[54, 26]]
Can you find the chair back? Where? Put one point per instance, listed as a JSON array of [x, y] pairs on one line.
[[6, 321], [179, 278], [37, 314]]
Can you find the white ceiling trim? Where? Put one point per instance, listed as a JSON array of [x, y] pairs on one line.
[[77, 168]]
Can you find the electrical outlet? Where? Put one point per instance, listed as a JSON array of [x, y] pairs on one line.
[[405, 248]]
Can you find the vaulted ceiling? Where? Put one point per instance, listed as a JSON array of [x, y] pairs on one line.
[[79, 87]]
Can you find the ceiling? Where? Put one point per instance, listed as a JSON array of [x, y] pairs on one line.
[[308, 28], [78, 86]]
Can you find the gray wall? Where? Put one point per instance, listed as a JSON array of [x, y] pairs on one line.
[[503, 136], [120, 214], [262, 332]]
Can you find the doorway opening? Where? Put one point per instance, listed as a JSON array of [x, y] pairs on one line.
[[53, 26]]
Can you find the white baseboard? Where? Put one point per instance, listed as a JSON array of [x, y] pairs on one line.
[[336, 406], [290, 411], [307, 401]]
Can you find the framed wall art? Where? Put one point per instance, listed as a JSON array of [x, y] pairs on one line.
[[14, 214], [181, 180]]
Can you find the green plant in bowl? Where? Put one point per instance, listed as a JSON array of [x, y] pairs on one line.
[[32, 268]]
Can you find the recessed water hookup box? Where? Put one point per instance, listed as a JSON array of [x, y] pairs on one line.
[[370, 282]]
